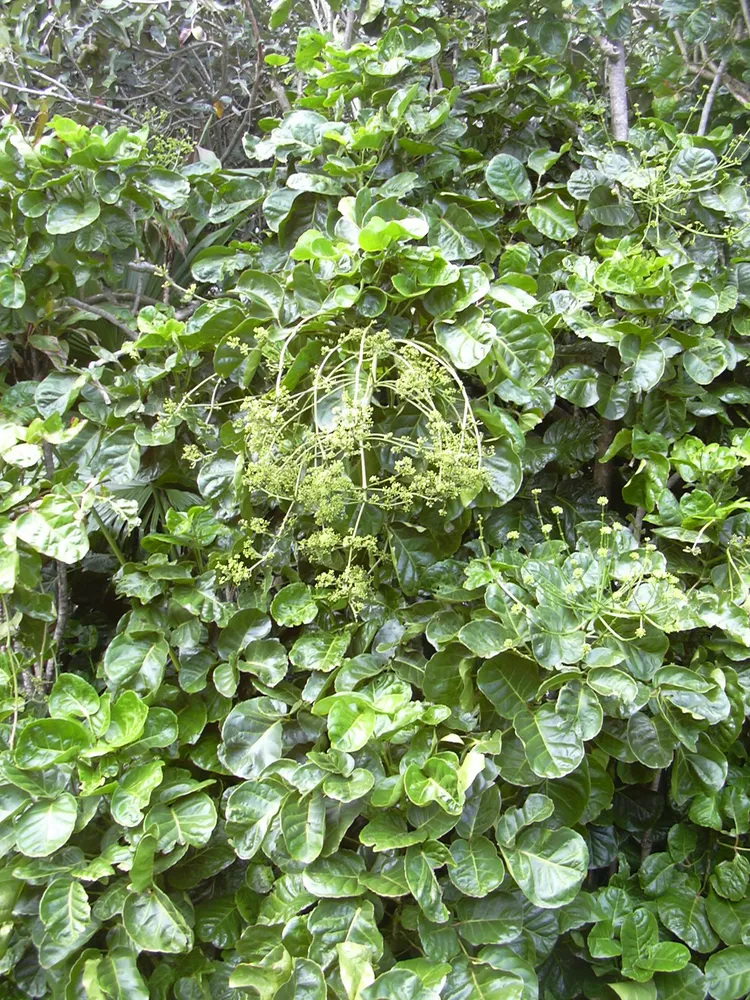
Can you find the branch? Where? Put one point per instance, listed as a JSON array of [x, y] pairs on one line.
[[76, 101], [711, 97], [603, 470], [161, 272], [617, 85], [739, 91], [62, 598], [745, 14], [352, 17], [280, 95], [103, 314]]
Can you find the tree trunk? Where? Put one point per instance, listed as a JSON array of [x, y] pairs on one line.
[[618, 92]]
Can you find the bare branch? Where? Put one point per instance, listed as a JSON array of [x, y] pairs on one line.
[[280, 94], [739, 91], [62, 597], [745, 14], [711, 97], [75, 101], [617, 85], [103, 314], [603, 470]]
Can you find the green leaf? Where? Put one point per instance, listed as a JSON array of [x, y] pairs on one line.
[[509, 681], [119, 976], [634, 991], [72, 696], [71, 214], [323, 651], [336, 877], [305, 983], [477, 870], [251, 737], [553, 747], [334, 921], [683, 912], [54, 528], [12, 291], [553, 218], [130, 659], [456, 234], [190, 820], [424, 886], [507, 179], [263, 291], [50, 741], [64, 909], [133, 792], [728, 973], [267, 659], [171, 188], [469, 980], [217, 921], [497, 919], [523, 349], [350, 725], [535, 809], [303, 826], [127, 720], [548, 865], [294, 605], [45, 826], [412, 552], [435, 781], [155, 924]]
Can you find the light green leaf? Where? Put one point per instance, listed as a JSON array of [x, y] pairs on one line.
[[728, 973], [303, 824], [477, 870], [155, 924], [54, 529], [251, 737], [71, 214], [553, 218], [46, 825], [507, 179], [553, 747], [294, 605], [64, 909], [424, 886]]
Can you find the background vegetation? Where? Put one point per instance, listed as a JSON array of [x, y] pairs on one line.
[[374, 500]]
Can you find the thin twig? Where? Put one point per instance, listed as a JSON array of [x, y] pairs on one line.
[[138, 294], [103, 314], [280, 95], [739, 91], [71, 99], [647, 839], [352, 16], [745, 14], [640, 513], [62, 597], [142, 265]]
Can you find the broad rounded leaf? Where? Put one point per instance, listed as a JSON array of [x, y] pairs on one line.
[[46, 825], [548, 865], [507, 178], [155, 924]]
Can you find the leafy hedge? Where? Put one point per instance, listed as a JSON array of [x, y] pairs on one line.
[[374, 576]]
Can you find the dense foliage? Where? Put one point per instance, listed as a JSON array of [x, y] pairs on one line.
[[374, 517]]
